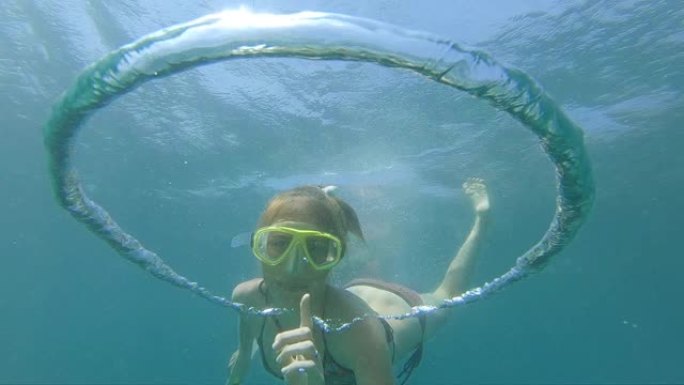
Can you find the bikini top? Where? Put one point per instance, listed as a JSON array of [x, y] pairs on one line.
[[336, 374]]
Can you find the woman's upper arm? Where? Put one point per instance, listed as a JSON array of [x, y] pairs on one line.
[[239, 363], [364, 348], [242, 294], [372, 362]]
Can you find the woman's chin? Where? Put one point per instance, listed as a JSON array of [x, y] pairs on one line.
[[293, 286]]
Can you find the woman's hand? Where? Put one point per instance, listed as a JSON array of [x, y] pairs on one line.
[[297, 354]]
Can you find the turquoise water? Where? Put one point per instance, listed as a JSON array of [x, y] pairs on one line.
[[186, 163]]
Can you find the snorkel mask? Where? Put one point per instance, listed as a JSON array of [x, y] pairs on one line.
[[272, 245]]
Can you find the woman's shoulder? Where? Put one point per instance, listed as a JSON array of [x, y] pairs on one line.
[[344, 305], [248, 293]]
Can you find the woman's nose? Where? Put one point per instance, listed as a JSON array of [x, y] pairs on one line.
[[297, 261]]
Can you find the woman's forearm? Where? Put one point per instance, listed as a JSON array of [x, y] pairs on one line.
[[239, 366]]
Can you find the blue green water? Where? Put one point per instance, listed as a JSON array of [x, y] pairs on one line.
[[186, 163]]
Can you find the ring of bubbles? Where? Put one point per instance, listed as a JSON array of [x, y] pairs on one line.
[[318, 36]]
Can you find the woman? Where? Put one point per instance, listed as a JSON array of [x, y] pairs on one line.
[[302, 235]]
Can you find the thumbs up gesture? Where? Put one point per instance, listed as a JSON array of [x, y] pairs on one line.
[[297, 354]]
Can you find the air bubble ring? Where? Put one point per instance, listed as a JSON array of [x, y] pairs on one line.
[[317, 36]]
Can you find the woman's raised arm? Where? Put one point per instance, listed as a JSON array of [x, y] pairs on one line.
[[457, 277]]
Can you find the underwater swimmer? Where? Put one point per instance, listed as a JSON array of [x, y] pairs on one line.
[[300, 237]]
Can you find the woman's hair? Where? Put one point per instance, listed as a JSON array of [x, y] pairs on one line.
[[335, 215]]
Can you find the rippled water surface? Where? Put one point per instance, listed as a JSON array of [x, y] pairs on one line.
[[186, 163]]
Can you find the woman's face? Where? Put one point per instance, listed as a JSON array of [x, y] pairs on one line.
[[295, 273]]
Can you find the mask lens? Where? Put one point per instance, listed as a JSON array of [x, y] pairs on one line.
[[272, 244], [322, 250]]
